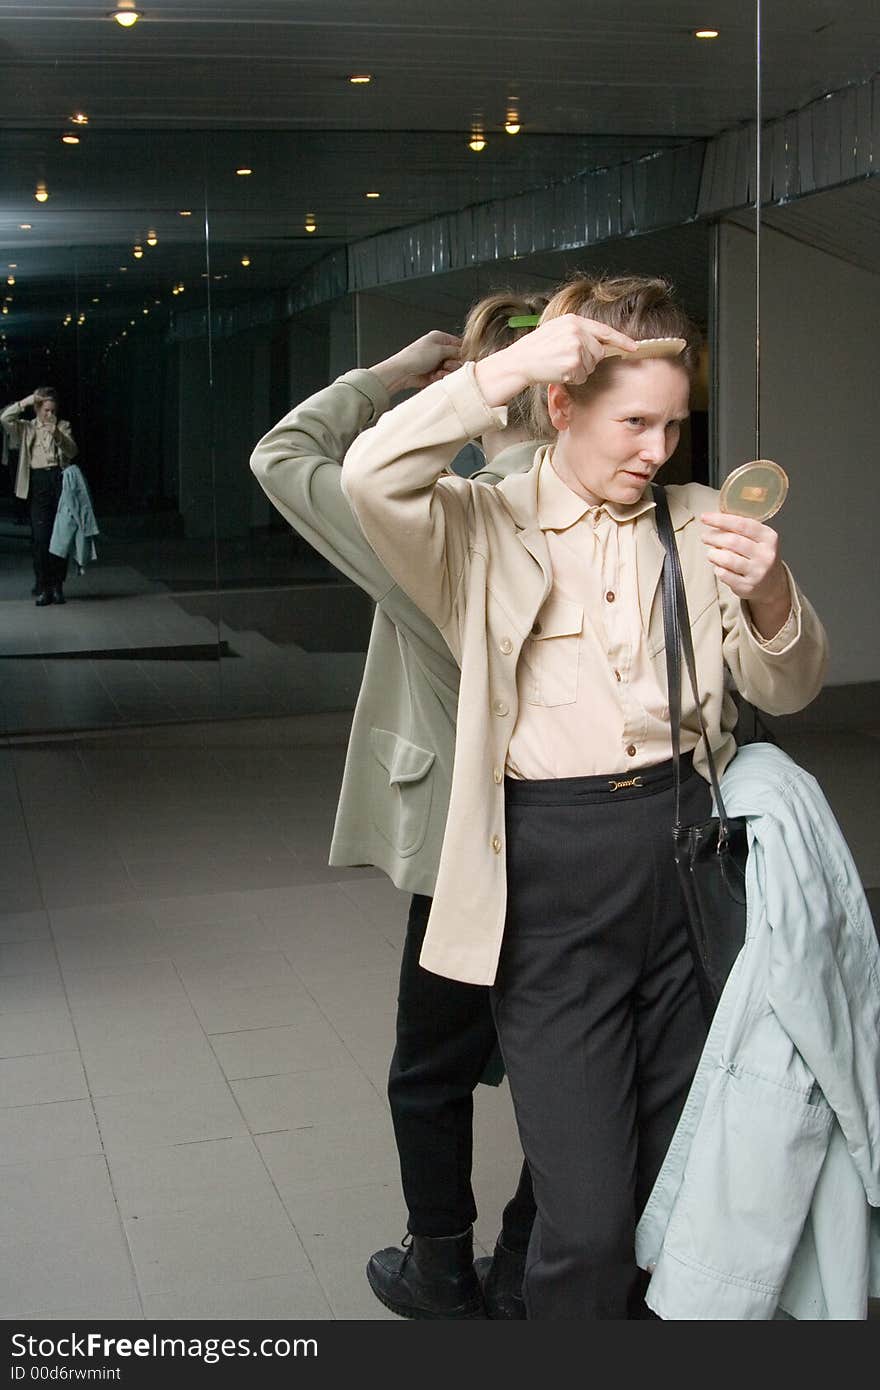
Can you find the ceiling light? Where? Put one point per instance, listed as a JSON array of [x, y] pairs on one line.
[[152, 239], [374, 195], [13, 265], [512, 124], [145, 311], [24, 226], [10, 279], [359, 79], [245, 260], [123, 268], [40, 193], [705, 33], [184, 212], [137, 252], [70, 139], [79, 118], [126, 13], [477, 141], [96, 300], [310, 223], [244, 171]]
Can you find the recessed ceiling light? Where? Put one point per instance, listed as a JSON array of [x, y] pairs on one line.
[[40, 193], [477, 141], [70, 139], [705, 33], [79, 118], [123, 268], [512, 124], [373, 195], [244, 171], [184, 212], [96, 299], [137, 252], [10, 279], [13, 265], [24, 226], [245, 260], [126, 14], [152, 239], [360, 79]]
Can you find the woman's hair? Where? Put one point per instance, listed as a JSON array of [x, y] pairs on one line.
[[487, 330], [45, 393], [639, 305]]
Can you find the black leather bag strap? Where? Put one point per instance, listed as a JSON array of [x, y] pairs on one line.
[[677, 628]]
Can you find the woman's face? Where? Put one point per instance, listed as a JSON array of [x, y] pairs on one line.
[[46, 411], [611, 445]]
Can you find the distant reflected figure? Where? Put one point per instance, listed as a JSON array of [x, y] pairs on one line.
[[45, 446]]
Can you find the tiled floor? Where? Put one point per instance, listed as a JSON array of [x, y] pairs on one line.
[[196, 1016]]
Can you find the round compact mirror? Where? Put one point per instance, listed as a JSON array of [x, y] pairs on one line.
[[757, 489]]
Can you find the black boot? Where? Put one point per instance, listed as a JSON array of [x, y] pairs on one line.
[[431, 1277], [43, 598], [58, 594], [501, 1279]]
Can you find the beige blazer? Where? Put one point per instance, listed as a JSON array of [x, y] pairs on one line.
[[22, 433], [398, 768], [476, 562]]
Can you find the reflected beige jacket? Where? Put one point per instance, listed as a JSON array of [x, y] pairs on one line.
[[22, 434], [398, 768], [476, 562]]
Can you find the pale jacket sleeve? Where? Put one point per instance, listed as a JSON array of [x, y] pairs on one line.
[[13, 424], [66, 444], [418, 522], [780, 675]]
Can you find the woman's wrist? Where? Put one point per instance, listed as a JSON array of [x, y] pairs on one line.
[[499, 378]]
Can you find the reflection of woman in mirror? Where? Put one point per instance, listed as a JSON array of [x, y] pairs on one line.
[[557, 883], [45, 446]]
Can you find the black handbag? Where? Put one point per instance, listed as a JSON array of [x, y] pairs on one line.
[[711, 856]]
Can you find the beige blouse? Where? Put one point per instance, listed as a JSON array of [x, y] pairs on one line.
[[590, 701]]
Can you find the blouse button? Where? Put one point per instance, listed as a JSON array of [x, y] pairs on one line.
[[499, 707], [496, 843], [618, 676], [610, 596], [506, 645], [632, 750]]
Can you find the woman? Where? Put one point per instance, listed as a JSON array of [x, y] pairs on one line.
[[45, 446], [556, 882], [392, 813]]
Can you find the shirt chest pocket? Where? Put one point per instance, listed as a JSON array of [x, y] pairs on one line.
[[551, 655]]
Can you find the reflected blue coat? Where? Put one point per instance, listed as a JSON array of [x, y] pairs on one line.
[[75, 524], [767, 1201]]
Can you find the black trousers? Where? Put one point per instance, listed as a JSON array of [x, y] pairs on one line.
[[44, 490], [445, 1038], [599, 1022]]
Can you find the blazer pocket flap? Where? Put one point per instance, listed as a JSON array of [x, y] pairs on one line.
[[560, 617], [402, 760]]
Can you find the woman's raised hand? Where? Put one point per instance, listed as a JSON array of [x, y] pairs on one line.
[[429, 358], [565, 350]]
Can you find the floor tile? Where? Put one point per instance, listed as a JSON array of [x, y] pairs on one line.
[[64, 1129], [66, 1197], [327, 1158], [26, 1034], [303, 1099], [298, 1297], [179, 1249], [304, 1046], [52, 1272], [180, 1114], [38, 1080]]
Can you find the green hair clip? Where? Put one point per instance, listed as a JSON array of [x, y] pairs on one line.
[[524, 321]]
